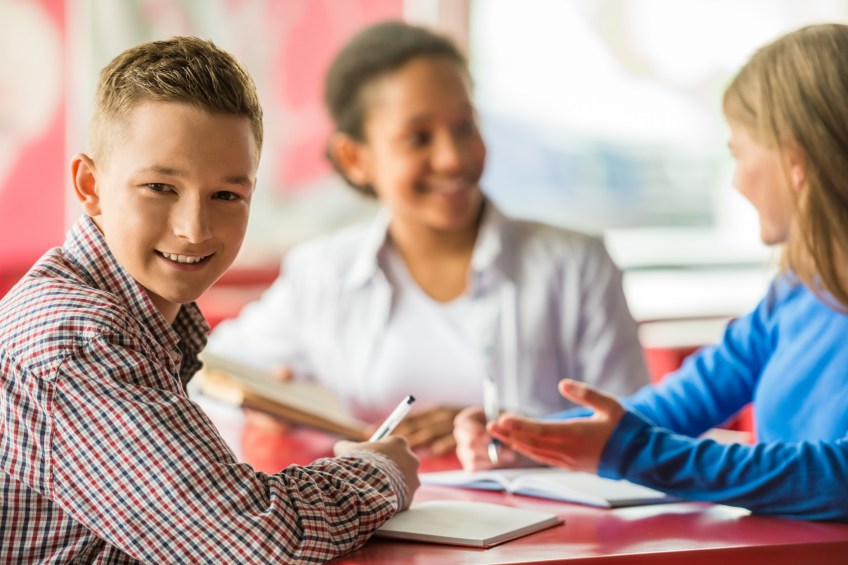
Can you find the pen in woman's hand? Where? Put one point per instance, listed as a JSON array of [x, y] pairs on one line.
[[394, 418], [491, 408]]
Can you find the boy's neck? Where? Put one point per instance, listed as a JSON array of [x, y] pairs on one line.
[[168, 309]]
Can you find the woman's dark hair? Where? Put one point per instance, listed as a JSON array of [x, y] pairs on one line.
[[373, 52]]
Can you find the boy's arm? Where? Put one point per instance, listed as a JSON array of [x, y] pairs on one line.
[[142, 467]]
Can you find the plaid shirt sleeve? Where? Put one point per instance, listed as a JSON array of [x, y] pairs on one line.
[[143, 468]]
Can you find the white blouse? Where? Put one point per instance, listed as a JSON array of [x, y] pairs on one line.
[[428, 348], [544, 303]]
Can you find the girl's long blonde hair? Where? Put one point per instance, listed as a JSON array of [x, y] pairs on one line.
[[793, 94]]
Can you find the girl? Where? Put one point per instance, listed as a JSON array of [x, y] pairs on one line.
[[787, 113], [441, 290]]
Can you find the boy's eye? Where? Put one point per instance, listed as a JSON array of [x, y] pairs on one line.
[[158, 186], [227, 195]]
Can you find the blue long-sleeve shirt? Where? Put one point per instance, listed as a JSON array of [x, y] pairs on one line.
[[790, 357]]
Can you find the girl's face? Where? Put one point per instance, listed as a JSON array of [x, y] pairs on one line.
[[760, 176], [423, 153]]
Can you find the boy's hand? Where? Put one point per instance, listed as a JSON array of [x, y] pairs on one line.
[[396, 449], [472, 442], [431, 429], [574, 444]]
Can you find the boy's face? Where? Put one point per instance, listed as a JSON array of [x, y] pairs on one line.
[[172, 197]]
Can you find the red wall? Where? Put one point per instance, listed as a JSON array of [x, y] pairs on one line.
[[32, 194]]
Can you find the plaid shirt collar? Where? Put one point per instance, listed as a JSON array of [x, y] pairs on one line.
[[87, 247]]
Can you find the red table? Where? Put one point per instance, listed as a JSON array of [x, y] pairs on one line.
[[688, 533]]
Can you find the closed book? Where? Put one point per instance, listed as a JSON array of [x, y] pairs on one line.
[[298, 402], [459, 522]]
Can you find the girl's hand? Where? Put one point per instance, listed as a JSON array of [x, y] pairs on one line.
[[575, 444]]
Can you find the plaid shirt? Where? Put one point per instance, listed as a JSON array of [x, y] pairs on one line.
[[104, 459]]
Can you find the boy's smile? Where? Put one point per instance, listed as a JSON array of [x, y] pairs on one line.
[[185, 261], [172, 196]]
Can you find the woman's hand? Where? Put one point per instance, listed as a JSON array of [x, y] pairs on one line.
[[472, 443], [431, 429], [265, 421], [575, 444]]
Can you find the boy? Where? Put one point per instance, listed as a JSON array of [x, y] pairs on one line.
[[103, 456]]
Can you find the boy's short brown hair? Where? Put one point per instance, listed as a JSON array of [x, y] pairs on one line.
[[180, 69]]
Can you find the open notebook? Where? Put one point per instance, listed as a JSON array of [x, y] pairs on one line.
[[554, 484], [459, 522], [298, 402]]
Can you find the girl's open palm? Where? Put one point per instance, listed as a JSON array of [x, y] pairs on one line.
[[574, 444]]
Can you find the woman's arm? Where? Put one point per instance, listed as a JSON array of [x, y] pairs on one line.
[[266, 333], [608, 353]]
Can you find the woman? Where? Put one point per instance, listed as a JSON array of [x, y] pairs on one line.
[[440, 290], [787, 113]]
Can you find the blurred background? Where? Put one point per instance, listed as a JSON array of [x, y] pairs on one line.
[[600, 115]]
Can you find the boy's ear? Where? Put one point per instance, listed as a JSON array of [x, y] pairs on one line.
[[351, 157], [85, 184]]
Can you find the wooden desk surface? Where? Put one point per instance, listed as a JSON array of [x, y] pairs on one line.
[[687, 533]]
